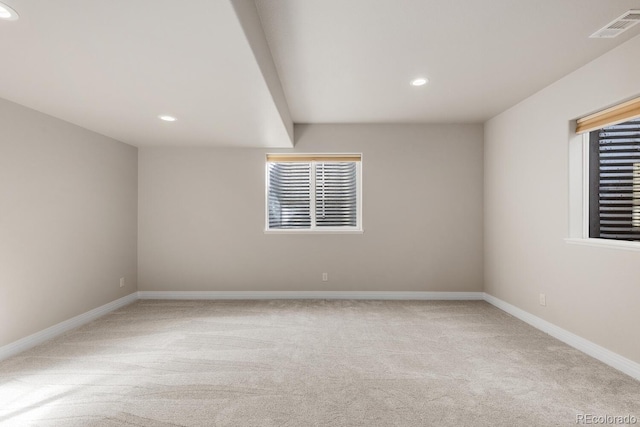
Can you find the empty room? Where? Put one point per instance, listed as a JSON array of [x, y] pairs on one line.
[[319, 213]]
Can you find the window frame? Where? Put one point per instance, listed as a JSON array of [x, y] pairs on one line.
[[314, 229], [580, 190], [579, 173]]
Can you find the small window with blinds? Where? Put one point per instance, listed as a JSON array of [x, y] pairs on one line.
[[614, 181], [314, 193]]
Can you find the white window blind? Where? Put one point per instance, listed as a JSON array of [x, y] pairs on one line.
[[614, 211], [336, 198], [313, 192], [289, 195]]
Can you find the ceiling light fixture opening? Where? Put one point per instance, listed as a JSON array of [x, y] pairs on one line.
[[7, 13], [167, 118], [419, 81]]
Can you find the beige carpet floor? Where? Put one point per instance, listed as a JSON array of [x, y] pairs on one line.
[[309, 363]]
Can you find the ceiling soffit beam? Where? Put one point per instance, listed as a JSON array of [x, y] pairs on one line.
[[249, 19]]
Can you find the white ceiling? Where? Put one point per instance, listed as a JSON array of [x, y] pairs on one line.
[[237, 75], [352, 60], [114, 66]]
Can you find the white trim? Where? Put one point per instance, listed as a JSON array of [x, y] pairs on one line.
[[269, 295], [612, 359], [62, 327], [318, 230], [605, 243], [359, 191], [266, 193], [584, 238], [577, 179], [585, 186], [312, 194], [314, 229]]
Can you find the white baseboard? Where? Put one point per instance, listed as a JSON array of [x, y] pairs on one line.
[[264, 295], [62, 327], [612, 359]]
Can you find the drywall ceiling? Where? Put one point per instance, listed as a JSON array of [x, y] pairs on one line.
[[114, 66], [352, 60], [238, 73]]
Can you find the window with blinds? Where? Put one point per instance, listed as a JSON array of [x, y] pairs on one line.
[[614, 181], [316, 192], [289, 195]]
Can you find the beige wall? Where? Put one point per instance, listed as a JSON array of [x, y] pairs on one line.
[[593, 292], [68, 211], [202, 216]]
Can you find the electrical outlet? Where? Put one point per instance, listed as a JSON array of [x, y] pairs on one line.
[[325, 277], [122, 282], [543, 299]]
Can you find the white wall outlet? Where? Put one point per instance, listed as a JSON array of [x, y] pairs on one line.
[[543, 299], [122, 282], [325, 277]]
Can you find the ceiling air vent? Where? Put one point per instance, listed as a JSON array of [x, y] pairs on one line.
[[618, 25]]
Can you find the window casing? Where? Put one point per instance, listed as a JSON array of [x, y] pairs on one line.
[[584, 186], [316, 193]]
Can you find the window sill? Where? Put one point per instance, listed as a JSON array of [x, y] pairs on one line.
[[605, 243], [316, 231]]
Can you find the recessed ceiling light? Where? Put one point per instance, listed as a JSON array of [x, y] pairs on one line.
[[419, 82], [7, 13], [167, 118]]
